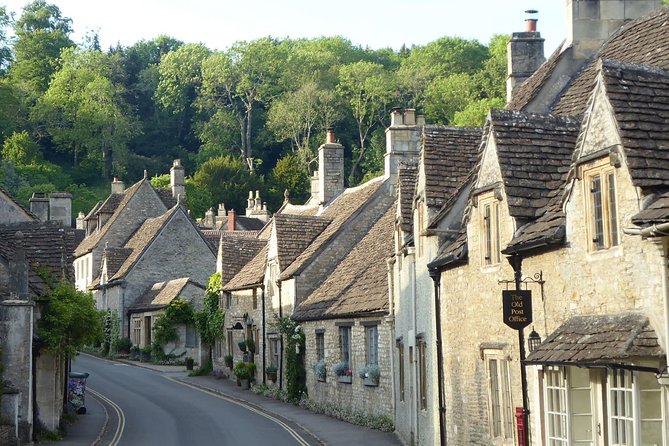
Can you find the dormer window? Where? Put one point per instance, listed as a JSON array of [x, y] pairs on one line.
[[490, 244], [600, 181]]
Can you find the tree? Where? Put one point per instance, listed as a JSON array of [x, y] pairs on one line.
[[180, 80], [297, 115], [242, 79], [84, 112], [198, 198], [227, 179], [210, 321], [446, 96], [475, 113], [41, 34], [69, 321], [21, 150], [369, 90], [289, 174]]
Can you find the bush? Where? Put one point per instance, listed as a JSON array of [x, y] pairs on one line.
[[320, 370], [241, 371], [122, 345]]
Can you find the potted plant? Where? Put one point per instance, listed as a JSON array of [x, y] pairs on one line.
[[134, 353], [242, 346], [228, 361], [370, 375], [320, 370], [189, 363], [251, 346], [242, 375], [270, 370], [343, 372]]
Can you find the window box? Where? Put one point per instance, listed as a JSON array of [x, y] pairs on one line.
[[370, 382], [345, 379]]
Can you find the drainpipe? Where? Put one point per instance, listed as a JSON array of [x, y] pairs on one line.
[[264, 337], [278, 287], [390, 264], [435, 274]]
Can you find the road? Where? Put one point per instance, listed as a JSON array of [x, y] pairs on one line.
[[145, 407]]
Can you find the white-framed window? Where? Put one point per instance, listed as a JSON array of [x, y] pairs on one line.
[[490, 235], [136, 331], [621, 410], [499, 395], [557, 430], [599, 180], [422, 372], [400, 362]]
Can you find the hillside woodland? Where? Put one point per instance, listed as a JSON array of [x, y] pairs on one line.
[[74, 115]]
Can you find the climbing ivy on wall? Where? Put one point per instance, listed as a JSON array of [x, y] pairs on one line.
[[178, 312], [296, 374], [112, 330]]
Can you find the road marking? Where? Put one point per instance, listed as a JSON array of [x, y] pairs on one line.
[[287, 428], [119, 413]]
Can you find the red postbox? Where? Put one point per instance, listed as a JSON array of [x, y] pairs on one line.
[[520, 425]]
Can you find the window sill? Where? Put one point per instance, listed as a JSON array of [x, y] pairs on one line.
[[369, 383], [320, 380], [345, 379]]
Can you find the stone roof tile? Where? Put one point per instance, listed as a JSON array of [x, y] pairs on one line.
[[359, 284], [294, 233], [656, 212], [251, 274], [161, 294], [599, 338], [237, 252], [407, 176]]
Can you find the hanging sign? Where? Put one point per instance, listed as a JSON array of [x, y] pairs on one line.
[[517, 306]]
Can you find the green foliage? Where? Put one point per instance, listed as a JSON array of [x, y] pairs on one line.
[[475, 113], [289, 174], [69, 321], [228, 180], [178, 312], [198, 198], [122, 345], [210, 321], [20, 149], [294, 350], [111, 326]]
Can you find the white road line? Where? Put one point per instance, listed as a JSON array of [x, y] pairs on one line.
[[119, 412], [287, 428]]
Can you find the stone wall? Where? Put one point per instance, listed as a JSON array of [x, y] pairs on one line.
[[356, 396]]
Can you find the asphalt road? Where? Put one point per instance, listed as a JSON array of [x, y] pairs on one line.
[[147, 408]]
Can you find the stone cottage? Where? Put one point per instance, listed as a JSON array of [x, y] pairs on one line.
[[558, 195], [33, 390]]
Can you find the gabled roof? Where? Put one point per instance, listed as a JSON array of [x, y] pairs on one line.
[[599, 338], [251, 274], [407, 175], [341, 210], [642, 41], [528, 90], [115, 257], [4, 195], [359, 284], [657, 212], [48, 247], [639, 97], [294, 233], [166, 197], [236, 252], [162, 294], [93, 239], [112, 202], [448, 155], [452, 252], [534, 153]]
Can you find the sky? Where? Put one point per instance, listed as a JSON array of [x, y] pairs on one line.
[[369, 23]]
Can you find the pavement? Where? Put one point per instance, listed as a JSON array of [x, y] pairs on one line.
[[88, 428]]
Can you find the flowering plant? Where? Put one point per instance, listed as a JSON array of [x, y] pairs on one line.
[[342, 369]]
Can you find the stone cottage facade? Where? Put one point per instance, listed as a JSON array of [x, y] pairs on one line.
[[34, 381]]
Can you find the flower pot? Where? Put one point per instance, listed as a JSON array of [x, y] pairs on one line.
[[370, 383], [189, 364], [345, 379], [244, 383], [271, 376]]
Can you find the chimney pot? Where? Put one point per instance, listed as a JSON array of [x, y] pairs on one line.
[[330, 136], [396, 117], [232, 223]]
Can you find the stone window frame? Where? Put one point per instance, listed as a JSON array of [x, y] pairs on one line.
[[274, 349], [345, 344], [488, 204], [136, 331], [601, 205], [500, 412], [255, 299], [320, 344], [191, 337], [230, 341], [371, 344]]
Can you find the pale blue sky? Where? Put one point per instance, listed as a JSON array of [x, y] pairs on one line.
[[373, 23]]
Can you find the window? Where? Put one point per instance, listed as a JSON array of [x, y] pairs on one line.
[[136, 331], [422, 371], [400, 362], [229, 341], [228, 300], [345, 345], [490, 242], [556, 407], [372, 344], [621, 409], [275, 347], [602, 207], [499, 395], [191, 336], [320, 345], [255, 298]]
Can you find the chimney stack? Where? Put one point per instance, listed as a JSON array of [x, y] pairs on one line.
[[328, 182], [39, 205], [81, 223], [591, 22], [18, 270], [117, 186], [60, 208], [178, 180], [525, 53], [402, 138], [232, 220]]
